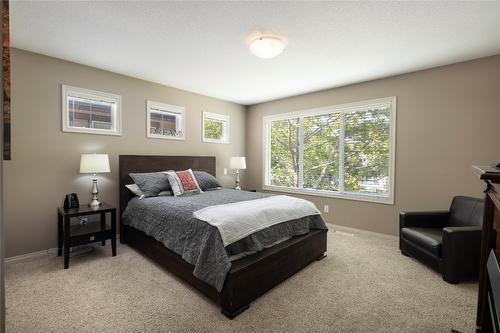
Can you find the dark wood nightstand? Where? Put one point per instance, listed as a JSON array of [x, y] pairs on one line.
[[73, 234]]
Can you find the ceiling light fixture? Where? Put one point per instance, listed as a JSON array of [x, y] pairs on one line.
[[267, 46]]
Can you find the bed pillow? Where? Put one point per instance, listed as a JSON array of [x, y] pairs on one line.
[[135, 189], [183, 182], [151, 183], [206, 181]]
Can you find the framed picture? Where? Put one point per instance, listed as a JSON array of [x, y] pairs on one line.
[[215, 128], [165, 121], [90, 111]]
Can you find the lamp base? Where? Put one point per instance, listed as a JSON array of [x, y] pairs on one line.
[[94, 203], [237, 187]]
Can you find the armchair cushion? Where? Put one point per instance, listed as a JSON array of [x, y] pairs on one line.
[[431, 219], [429, 239], [466, 211]]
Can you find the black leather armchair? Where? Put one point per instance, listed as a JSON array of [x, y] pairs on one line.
[[447, 241]]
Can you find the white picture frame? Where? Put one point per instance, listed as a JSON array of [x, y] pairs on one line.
[[177, 112], [224, 119], [70, 93]]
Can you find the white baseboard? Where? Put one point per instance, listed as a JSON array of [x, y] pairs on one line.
[[32, 256], [38, 255], [355, 231]]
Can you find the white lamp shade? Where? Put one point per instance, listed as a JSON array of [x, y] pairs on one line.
[[238, 162], [94, 163]]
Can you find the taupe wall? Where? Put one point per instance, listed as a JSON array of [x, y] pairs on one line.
[[45, 160], [448, 118]]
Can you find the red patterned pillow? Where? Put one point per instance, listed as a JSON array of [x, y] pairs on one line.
[[183, 182], [187, 180]]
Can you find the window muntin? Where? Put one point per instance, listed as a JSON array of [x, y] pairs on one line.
[[344, 151], [165, 121], [90, 111], [215, 128]]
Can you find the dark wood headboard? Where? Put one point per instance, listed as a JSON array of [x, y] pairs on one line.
[[152, 163]]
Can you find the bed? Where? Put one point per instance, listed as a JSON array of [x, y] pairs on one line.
[[247, 278]]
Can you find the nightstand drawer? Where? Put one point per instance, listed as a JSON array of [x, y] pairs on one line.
[[90, 238], [92, 226]]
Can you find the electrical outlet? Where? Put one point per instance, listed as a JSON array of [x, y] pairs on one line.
[[225, 171], [326, 208]]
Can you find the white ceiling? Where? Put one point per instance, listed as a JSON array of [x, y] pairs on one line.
[[201, 47]]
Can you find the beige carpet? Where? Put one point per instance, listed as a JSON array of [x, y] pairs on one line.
[[364, 285]]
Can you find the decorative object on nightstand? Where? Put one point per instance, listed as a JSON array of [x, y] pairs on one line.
[[238, 163], [71, 201], [94, 163], [74, 234]]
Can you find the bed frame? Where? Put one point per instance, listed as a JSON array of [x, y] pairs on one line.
[[249, 277]]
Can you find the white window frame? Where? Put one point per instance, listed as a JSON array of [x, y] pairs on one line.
[[342, 109], [116, 115], [180, 111], [215, 116]]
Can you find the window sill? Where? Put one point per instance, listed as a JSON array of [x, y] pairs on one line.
[[91, 131], [328, 194], [215, 141], [165, 137]]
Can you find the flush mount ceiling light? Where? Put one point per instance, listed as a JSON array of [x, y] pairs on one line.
[[267, 46]]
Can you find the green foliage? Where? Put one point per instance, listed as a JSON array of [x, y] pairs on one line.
[[321, 152], [366, 151], [213, 129], [285, 152]]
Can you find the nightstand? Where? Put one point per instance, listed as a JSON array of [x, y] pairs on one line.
[[73, 234]]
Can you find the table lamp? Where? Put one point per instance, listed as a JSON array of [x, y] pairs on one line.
[[238, 163], [94, 163]]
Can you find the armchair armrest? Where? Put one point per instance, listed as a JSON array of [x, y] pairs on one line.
[[433, 219], [460, 251]]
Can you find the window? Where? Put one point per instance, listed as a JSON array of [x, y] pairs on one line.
[[215, 128], [344, 151], [89, 111], [165, 121]]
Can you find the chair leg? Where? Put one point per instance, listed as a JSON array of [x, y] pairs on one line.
[[451, 281], [232, 314], [404, 253]]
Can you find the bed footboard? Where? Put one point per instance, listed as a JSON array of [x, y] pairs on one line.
[[249, 277]]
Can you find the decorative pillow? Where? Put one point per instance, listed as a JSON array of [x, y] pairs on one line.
[[183, 182], [206, 181], [151, 183], [135, 189]]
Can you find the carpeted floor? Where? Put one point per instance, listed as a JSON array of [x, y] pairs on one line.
[[364, 285]]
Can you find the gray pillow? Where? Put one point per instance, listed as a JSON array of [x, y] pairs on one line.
[[151, 183], [206, 181]]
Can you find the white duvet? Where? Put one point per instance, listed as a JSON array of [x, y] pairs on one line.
[[237, 220]]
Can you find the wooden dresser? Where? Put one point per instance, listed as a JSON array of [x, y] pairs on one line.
[[490, 240]]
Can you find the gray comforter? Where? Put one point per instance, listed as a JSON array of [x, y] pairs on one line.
[[170, 220]]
